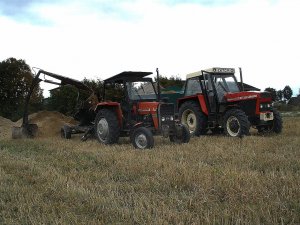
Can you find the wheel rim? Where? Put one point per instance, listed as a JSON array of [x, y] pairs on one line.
[[102, 129], [141, 141], [189, 119], [233, 126]]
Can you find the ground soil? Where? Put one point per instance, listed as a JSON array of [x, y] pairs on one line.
[[49, 124]]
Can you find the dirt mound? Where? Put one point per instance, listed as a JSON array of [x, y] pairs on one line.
[[49, 124], [5, 128]]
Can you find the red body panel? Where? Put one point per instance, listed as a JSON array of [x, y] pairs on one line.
[[261, 100], [239, 96], [244, 96], [203, 104], [144, 108], [230, 98], [199, 98]]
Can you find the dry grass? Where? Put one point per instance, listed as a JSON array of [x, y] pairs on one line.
[[211, 180]]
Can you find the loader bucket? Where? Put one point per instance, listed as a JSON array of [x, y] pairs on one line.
[[25, 131]]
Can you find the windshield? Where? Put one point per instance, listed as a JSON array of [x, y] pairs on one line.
[[226, 83], [140, 90]]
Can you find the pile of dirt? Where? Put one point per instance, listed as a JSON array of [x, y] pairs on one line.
[[49, 124], [5, 128]]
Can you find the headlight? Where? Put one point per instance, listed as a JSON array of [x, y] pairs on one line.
[[163, 118], [265, 106], [171, 118]]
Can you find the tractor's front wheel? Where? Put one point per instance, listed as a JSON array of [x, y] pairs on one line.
[[107, 128], [275, 127], [277, 122], [182, 134], [236, 123], [191, 115], [142, 138]]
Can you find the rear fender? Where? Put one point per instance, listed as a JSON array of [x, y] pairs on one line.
[[114, 106], [197, 98]]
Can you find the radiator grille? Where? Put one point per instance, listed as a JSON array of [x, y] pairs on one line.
[[167, 109]]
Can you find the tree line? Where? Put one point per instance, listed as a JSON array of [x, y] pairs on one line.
[[280, 95]]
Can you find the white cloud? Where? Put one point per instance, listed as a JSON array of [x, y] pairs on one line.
[[259, 36]]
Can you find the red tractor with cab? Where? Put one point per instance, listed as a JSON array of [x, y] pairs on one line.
[[214, 100], [131, 106]]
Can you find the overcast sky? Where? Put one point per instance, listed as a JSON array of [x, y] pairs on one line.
[[100, 38]]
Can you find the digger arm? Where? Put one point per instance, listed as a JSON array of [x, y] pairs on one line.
[[63, 81]]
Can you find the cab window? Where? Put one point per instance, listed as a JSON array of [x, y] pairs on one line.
[[193, 86]]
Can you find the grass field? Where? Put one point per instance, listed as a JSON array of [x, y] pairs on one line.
[[211, 180]]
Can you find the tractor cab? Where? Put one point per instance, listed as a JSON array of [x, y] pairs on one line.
[[214, 84], [130, 86]]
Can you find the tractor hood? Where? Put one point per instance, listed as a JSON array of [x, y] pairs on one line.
[[247, 95]]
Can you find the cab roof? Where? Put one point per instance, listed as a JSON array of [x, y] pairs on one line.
[[213, 70], [128, 76]]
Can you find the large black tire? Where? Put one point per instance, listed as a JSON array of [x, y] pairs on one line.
[[65, 132], [191, 115], [236, 123], [142, 138], [182, 136], [107, 128], [275, 127], [277, 122]]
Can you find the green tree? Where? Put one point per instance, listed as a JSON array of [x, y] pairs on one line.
[[15, 81], [95, 84], [287, 92], [169, 82], [68, 99], [279, 95], [273, 93], [63, 99]]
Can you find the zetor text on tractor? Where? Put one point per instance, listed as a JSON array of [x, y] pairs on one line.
[[214, 100], [131, 107]]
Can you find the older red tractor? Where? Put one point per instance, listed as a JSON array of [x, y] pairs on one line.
[[135, 111]]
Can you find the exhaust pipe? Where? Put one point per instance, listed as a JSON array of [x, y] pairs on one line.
[[241, 78], [158, 85]]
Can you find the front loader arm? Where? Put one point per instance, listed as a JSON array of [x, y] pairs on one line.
[[63, 81]]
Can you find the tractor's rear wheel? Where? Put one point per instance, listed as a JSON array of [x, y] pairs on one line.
[[182, 134], [107, 128], [142, 138], [236, 123], [191, 115]]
